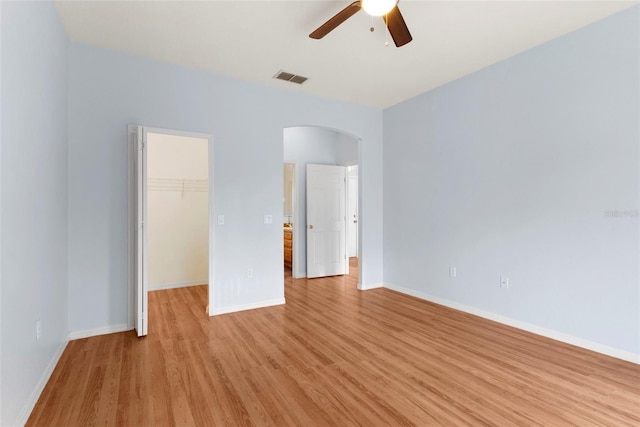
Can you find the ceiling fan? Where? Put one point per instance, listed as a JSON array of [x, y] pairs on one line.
[[388, 9]]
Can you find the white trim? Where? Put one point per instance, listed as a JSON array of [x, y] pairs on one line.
[[363, 287], [44, 379], [163, 286], [111, 329], [549, 333], [131, 130], [235, 308], [211, 229]]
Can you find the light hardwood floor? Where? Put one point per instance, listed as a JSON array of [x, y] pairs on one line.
[[333, 356]]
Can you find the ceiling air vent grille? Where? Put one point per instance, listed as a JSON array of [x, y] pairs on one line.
[[289, 77]]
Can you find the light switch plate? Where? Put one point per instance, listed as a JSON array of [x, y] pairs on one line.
[[268, 219], [220, 219], [504, 282]]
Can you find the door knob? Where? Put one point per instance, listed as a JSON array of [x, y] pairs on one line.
[[310, 226]]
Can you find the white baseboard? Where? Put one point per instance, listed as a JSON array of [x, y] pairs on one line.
[[367, 286], [549, 333], [177, 285], [225, 310], [76, 335], [44, 379]]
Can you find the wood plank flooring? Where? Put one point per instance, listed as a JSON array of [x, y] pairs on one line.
[[332, 356]]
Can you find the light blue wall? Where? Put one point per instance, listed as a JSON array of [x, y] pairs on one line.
[[304, 145], [34, 199], [108, 90], [511, 171], [347, 149]]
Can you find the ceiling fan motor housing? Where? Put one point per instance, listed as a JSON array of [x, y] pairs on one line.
[[390, 13]]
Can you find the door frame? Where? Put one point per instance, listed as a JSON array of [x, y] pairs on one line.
[[132, 226], [348, 196]]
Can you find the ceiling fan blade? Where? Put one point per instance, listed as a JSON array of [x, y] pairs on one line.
[[397, 27], [338, 19]]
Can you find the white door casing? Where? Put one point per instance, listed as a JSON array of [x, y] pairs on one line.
[[140, 243], [326, 221]]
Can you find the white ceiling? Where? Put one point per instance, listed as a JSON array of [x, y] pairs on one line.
[[252, 40]]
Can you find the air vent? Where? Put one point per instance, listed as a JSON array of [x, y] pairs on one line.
[[293, 78]]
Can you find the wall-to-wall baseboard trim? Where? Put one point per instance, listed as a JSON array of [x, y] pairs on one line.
[[367, 286], [225, 310], [549, 333], [44, 379], [177, 285], [76, 335]]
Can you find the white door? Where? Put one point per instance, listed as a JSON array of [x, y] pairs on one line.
[[140, 240], [326, 221], [352, 212]]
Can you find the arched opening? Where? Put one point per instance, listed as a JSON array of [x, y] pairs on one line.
[[309, 250]]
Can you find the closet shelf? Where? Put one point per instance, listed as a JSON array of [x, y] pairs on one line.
[[179, 185]]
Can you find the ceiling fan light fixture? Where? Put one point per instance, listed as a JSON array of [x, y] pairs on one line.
[[378, 7]]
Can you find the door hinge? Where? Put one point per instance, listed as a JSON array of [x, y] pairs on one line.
[[142, 225]]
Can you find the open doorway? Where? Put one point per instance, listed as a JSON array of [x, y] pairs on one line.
[[289, 173], [171, 246], [337, 154], [177, 219]]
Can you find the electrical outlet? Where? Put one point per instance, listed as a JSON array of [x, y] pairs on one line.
[[504, 282], [249, 273], [452, 272], [38, 329]]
